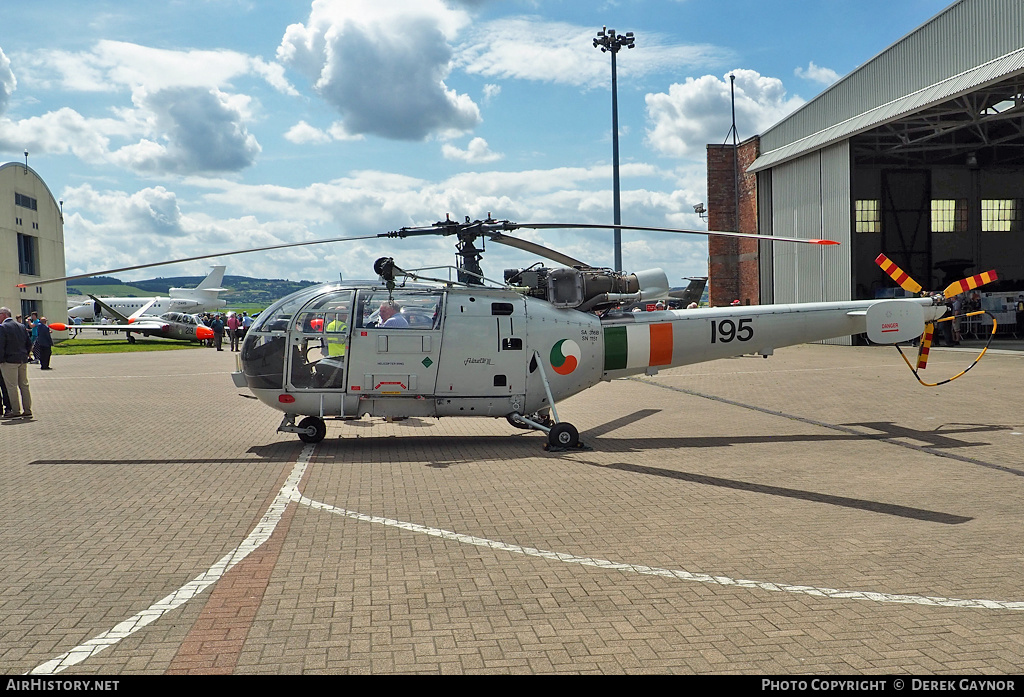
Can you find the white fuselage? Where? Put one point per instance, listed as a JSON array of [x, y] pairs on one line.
[[494, 352], [187, 300], [128, 306]]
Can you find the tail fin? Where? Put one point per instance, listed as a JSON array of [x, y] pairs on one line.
[[213, 281]]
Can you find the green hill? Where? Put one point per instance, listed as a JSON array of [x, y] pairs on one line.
[[242, 290]]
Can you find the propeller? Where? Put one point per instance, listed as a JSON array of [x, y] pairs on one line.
[[468, 232], [908, 284]]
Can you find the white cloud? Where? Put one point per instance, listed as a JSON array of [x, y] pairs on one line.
[[698, 111], [477, 151], [105, 229], [529, 48], [8, 82], [201, 130], [114, 65], [303, 134], [59, 132], [369, 202], [180, 121], [491, 92], [382, 65], [816, 73], [182, 130]]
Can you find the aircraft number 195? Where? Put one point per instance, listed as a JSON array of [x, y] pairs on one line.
[[724, 331]]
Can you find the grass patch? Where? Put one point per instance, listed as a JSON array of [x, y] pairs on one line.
[[74, 347]]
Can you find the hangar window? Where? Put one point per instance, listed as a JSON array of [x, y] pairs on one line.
[[1001, 214], [28, 255], [949, 215], [25, 201], [867, 215]]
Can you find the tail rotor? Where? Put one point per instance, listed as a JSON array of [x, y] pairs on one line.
[[903, 279]]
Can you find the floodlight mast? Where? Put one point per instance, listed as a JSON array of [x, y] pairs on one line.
[[610, 42]]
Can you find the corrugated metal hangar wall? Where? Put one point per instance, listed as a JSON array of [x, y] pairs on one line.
[[938, 115]]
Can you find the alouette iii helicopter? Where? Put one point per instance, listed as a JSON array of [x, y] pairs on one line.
[[409, 345]]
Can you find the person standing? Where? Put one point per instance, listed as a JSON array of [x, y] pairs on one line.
[[31, 324], [14, 347], [233, 330], [217, 325], [43, 346]]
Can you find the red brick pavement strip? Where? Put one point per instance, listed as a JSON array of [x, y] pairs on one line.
[[348, 596], [215, 641]]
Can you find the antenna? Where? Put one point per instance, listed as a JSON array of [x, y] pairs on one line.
[[735, 153]]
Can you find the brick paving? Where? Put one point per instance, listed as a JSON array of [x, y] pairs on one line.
[[824, 466]]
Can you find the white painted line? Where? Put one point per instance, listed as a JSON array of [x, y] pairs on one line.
[[290, 492], [669, 573], [260, 534]]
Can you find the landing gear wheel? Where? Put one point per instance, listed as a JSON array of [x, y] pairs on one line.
[[131, 339], [319, 429], [563, 435]]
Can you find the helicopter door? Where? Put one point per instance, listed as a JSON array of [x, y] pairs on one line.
[[319, 338], [396, 342]]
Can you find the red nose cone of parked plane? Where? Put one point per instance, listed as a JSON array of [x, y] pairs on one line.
[[204, 333], [58, 326]]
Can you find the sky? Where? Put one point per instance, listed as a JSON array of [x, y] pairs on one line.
[[189, 127]]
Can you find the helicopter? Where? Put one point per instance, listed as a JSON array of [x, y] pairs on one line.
[[411, 345]]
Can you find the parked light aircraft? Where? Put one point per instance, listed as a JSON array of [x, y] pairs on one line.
[[410, 345], [183, 300], [169, 325]]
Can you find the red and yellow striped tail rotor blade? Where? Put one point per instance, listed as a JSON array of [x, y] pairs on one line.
[[897, 274], [970, 283], [926, 345]]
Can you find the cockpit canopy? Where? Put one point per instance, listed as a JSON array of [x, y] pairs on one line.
[[323, 316]]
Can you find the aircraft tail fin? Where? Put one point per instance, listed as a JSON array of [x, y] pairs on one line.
[[213, 280]]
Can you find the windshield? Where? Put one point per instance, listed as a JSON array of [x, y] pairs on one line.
[[276, 317]]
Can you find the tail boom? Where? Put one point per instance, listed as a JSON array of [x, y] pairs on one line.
[[647, 341]]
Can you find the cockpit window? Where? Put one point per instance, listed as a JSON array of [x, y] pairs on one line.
[[406, 309], [276, 317], [329, 313]]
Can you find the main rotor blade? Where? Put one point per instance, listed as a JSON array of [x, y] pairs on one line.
[[534, 248], [677, 231], [203, 256]]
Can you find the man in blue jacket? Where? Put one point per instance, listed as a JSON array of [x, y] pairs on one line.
[[14, 347], [43, 346]]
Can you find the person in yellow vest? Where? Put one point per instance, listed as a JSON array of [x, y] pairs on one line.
[[337, 335]]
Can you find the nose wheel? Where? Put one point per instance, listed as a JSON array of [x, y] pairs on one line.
[[312, 429]]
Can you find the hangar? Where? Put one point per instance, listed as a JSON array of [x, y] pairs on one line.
[[32, 240], [919, 153]]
